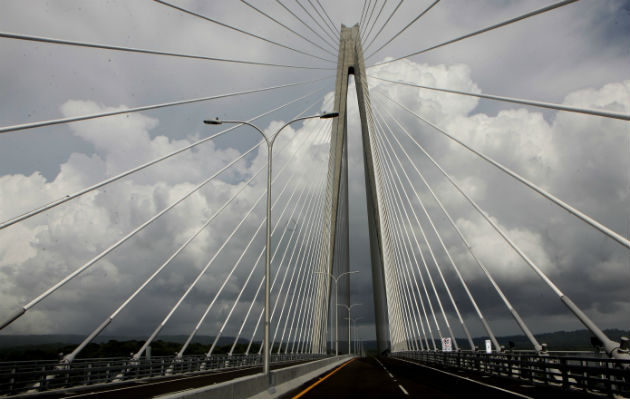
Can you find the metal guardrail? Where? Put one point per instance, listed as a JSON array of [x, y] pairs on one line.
[[596, 375], [20, 377]]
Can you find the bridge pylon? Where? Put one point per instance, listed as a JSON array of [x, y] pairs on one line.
[[335, 243]]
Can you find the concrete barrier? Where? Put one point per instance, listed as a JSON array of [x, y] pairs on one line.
[[256, 386]]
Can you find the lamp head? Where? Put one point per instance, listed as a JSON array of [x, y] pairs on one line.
[[326, 115], [216, 121]]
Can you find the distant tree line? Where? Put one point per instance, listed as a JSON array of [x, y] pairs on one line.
[[112, 348], [556, 341]]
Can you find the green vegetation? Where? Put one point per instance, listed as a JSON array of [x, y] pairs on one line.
[[23, 348], [556, 341], [579, 340], [112, 348]]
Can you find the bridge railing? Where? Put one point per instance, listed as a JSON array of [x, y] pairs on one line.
[[42, 375], [578, 372]]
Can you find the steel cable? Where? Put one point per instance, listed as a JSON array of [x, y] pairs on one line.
[[288, 264], [289, 29], [236, 264], [239, 30], [41, 39], [487, 29], [509, 306], [259, 288], [121, 175], [426, 10], [553, 106], [367, 35], [410, 185], [363, 12], [314, 20], [324, 40], [383, 27], [579, 314], [597, 225], [415, 262], [262, 251], [203, 270], [332, 23], [113, 246], [335, 34], [435, 262]]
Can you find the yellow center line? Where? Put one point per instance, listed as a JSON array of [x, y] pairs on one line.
[[303, 392]]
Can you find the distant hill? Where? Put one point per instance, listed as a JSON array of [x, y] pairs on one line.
[[33, 347], [556, 341], [48, 347], [27, 340]]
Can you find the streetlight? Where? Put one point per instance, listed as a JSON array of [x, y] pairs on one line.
[[335, 279], [270, 142], [349, 308], [356, 332]]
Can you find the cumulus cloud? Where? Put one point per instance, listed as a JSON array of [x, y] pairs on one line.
[[41, 251], [55, 244], [581, 159], [436, 107]]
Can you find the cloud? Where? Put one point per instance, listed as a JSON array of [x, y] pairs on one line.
[[433, 105], [64, 238], [577, 55], [578, 158], [501, 258]]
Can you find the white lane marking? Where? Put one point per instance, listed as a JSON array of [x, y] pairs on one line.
[[466, 379], [391, 376], [403, 390]]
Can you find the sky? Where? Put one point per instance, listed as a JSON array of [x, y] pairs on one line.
[[576, 55]]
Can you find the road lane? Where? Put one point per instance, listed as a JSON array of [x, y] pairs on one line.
[[421, 382], [511, 387], [362, 378], [386, 377]]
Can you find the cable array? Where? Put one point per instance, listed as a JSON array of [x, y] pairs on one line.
[[541, 104], [291, 330], [289, 29], [426, 10], [100, 46], [421, 275], [240, 30], [480, 31], [324, 40], [383, 26], [570, 305]]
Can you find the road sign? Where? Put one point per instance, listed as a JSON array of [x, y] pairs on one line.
[[447, 345]]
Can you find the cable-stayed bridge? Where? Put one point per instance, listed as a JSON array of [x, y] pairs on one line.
[[241, 228]]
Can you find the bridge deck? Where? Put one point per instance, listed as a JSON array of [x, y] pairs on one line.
[[154, 387], [386, 377]]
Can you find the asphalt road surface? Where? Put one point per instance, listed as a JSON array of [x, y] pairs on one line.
[[385, 377]]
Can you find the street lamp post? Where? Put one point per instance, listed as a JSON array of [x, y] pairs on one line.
[[349, 308], [335, 279], [270, 142], [356, 333]]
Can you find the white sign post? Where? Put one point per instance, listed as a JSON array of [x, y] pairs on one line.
[[447, 345], [488, 346]]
